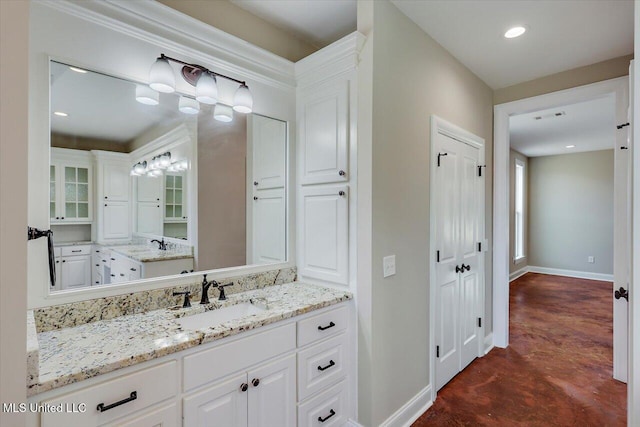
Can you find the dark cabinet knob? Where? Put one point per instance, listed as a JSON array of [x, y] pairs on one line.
[[64, 260], [158, 199], [97, 265], [255, 182], [255, 197], [113, 275], [244, 387], [341, 193], [255, 382], [342, 173], [133, 269], [105, 197]]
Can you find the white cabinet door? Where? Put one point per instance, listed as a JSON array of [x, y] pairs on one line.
[[149, 188], [115, 220], [325, 233], [224, 404], [134, 270], [268, 141], [269, 224], [58, 273], [76, 272], [165, 416], [149, 218], [115, 181], [272, 394], [323, 120]]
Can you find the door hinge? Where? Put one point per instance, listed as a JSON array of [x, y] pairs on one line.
[[440, 155], [622, 125], [437, 256], [479, 246], [438, 351], [480, 169], [479, 322]]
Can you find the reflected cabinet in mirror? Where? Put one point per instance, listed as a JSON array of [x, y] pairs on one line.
[[146, 184]]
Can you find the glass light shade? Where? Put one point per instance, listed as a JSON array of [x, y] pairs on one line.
[[223, 113], [188, 105], [147, 96], [161, 77], [164, 160], [184, 164], [140, 168], [207, 89], [242, 100]]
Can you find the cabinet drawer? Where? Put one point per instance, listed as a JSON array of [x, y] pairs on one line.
[[164, 416], [321, 365], [330, 406], [75, 250], [322, 326], [151, 385], [209, 365]]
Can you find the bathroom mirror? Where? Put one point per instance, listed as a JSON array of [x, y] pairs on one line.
[[146, 184]]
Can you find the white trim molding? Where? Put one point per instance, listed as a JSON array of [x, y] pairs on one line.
[[570, 273], [410, 411], [518, 273], [488, 343]]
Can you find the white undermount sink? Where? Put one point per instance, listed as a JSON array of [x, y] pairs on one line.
[[219, 315]]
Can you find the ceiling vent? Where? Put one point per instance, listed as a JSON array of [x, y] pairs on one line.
[[550, 115]]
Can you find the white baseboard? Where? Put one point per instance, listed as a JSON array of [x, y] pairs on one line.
[[571, 273], [519, 273], [351, 423], [488, 343], [410, 411]]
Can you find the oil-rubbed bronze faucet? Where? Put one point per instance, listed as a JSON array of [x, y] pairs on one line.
[[187, 301], [220, 287], [162, 245], [204, 299]]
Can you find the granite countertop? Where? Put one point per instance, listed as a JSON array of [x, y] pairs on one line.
[[74, 354], [145, 253]]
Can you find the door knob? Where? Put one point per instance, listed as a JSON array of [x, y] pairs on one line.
[[622, 293], [458, 269]]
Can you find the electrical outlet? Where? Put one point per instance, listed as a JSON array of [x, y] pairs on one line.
[[591, 259], [389, 265]]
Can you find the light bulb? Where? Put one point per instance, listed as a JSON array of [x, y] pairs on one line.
[[140, 168], [242, 100], [165, 160], [161, 77], [207, 89], [188, 105], [147, 96], [223, 113]]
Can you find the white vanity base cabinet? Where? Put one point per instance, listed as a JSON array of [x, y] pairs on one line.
[[268, 377]]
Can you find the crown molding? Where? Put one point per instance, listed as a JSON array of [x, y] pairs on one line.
[[338, 57], [169, 29]]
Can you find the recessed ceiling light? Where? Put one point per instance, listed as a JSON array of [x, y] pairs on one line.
[[570, 146], [60, 113], [514, 32], [78, 70]]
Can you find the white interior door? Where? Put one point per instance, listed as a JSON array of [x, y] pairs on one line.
[[459, 203]]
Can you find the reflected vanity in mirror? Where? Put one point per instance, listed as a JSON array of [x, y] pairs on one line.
[[146, 184]]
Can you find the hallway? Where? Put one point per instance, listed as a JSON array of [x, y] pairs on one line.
[[557, 370]]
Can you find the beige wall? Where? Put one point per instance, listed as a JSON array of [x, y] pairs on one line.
[[14, 49], [513, 155], [234, 20], [600, 71], [571, 211], [413, 77], [222, 152]]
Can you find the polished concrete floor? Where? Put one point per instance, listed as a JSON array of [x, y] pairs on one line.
[[557, 370]]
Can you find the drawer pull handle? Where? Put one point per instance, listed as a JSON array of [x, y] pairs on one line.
[[102, 407], [331, 363], [77, 250], [322, 328], [331, 414], [255, 382], [133, 269], [244, 387]]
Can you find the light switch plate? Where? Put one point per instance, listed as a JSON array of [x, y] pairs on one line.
[[591, 259], [389, 265]]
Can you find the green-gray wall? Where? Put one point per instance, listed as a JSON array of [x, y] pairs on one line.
[[571, 211], [513, 265], [412, 78]]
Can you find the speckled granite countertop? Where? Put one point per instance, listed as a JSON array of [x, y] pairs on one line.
[[144, 253], [74, 354]]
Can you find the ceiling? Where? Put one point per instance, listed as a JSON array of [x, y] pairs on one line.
[[561, 35], [590, 126], [318, 22]]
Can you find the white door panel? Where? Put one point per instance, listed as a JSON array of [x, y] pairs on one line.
[[269, 226]]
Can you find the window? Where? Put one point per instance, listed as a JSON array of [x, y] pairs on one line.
[[519, 211]]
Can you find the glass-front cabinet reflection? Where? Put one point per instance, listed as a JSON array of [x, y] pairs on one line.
[[70, 187]]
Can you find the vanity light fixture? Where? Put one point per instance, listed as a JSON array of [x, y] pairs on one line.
[[78, 70], [147, 96], [162, 79], [188, 105], [156, 165], [223, 113], [514, 32], [60, 113]]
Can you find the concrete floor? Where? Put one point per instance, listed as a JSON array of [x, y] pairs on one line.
[[557, 370]]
